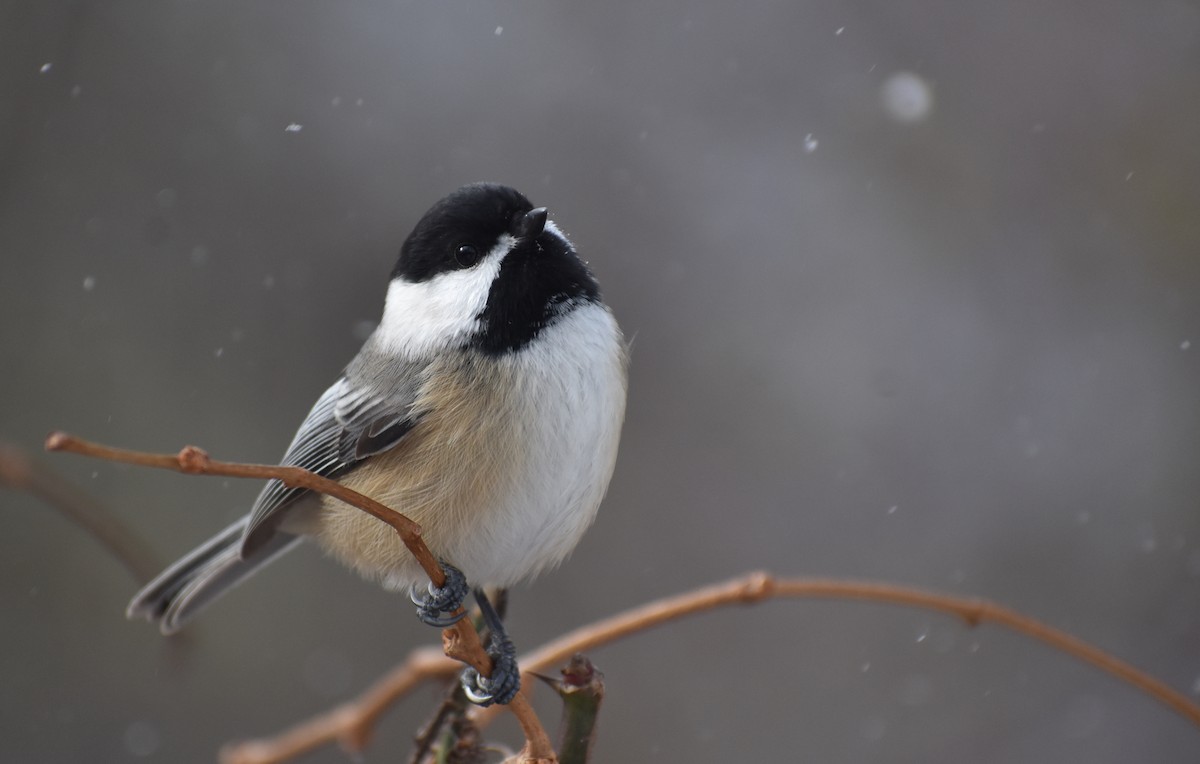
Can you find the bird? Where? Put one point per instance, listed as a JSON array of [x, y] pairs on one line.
[[487, 406]]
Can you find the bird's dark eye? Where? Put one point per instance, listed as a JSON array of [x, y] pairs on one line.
[[466, 255]]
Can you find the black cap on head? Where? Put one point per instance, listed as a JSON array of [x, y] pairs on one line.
[[539, 280], [474, 216]]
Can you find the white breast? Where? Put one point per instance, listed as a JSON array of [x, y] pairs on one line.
[[572, 389], [504, 492]]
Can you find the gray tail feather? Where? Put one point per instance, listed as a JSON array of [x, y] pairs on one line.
[[204, 574]]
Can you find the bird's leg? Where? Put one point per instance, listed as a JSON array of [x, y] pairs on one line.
[[436, 608], [501, 687], [499, 598]]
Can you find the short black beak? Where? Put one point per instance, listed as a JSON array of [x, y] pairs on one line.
[[529, 225]]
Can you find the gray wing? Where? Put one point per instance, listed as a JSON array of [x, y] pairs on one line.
[[359, 416]]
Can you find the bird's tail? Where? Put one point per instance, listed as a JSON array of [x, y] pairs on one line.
[[204, 574]]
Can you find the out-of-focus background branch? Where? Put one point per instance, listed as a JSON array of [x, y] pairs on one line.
[[915, 295], [21, 472]]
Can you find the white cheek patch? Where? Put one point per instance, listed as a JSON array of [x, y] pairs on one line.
[[426, 317]]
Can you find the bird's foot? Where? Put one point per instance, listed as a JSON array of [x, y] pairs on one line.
[[436, 608], [502, 686]]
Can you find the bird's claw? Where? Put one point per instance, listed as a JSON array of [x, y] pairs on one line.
[[502, 686], [436, 608]]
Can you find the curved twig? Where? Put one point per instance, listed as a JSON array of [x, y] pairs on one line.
[[748, 589], [352, 723], [460, 641], [759, 586]]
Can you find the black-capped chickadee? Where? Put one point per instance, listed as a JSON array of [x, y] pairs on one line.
[[486, 406]]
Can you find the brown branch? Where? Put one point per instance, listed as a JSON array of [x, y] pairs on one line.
[[749, 589], [461, 641], [452, 712], [350, 724], [21, 473], [195, 461], [756, 587]]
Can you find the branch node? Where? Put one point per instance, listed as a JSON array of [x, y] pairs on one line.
[[975, 614], [461, 649], [193, 460], [760, 585]]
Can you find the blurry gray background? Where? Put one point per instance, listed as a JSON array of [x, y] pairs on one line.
[[914, 288]]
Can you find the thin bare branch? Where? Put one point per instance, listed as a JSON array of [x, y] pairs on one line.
[[759, 586], [196, 461], [352, 723], [21, 473], [451, 712], [743, 590], [461, 641]]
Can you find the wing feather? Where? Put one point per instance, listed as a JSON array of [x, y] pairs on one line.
[[354, 419]]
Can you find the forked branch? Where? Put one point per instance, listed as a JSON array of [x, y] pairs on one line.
[[352, 723], [356, 719]]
